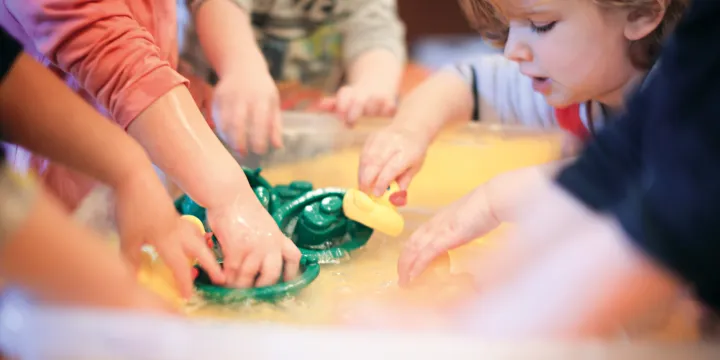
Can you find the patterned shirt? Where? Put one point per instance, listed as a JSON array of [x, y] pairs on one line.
[[309, 41]]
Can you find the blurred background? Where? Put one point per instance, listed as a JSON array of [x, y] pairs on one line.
[[438, 33]]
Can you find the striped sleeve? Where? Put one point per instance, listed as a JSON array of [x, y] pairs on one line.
[[502, 94]]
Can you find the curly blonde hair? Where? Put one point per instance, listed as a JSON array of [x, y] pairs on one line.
[[486, 17]]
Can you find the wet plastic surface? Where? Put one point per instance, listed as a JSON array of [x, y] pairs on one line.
[[313, 219]]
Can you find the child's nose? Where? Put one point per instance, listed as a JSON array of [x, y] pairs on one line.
[[517, 49]]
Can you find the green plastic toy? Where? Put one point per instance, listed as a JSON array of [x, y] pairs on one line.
[[316, 224], [261, 187], [283, 194], [313, 219], [309, 271]]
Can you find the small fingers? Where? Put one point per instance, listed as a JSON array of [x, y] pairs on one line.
[[248, 271], [373, 107], [424, 257], [392, 169], [372, 161], [388, 108], [270, 270], [409, 255], [236, 125], [260, 124], [328, 104], [404, 179], [292, 256], [276, 129], [198, 250], [178, 263], [344, 102], [232, 262], [355, 110]]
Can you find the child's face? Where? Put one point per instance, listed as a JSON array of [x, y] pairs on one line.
[[573, 50]]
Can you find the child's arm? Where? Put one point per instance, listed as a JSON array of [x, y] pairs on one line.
[[599, 280], [87, 142], [45, 253], [374, 56], [64, 127], [491, 86], [246, 102], [397, 152], [151, 100], [499, 200]]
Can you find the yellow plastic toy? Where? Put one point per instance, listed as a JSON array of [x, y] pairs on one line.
[[377, 213], [156, 276]]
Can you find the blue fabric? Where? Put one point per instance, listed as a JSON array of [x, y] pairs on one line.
[[657, 168]]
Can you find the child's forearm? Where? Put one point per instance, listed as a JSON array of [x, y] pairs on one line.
[[227, 38], [599, 281], [507, 192], [65, 128], [376, 69], [443, 98], [180, 142], [55, 259]]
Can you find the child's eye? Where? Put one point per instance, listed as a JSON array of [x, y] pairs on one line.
[[542, 28]]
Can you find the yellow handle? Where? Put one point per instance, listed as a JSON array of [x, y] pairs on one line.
[[157, 277], [195, 221]]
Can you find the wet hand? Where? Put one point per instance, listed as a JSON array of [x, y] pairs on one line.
[[145, 215], [256, 252], [459, 223], [352, 102], [246, 107], [391, 154]]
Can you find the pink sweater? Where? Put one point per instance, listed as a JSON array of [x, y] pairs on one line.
[[120, 55]]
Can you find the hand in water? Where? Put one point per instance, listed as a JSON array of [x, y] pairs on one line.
[[246, 105], [457, 224], [145, 215], [352, 102], [256, 252], [391, 154]]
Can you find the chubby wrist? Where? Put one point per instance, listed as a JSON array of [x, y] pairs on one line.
[[251, 62], [417, 130], [226, 190]]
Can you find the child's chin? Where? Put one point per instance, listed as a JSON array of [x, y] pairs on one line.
[[558, 101]]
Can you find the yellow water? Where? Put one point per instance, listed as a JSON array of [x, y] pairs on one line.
[[455, 164]]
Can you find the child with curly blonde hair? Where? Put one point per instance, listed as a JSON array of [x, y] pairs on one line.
[[567, 64]]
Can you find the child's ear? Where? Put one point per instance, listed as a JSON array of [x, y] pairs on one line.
[[642, 22]]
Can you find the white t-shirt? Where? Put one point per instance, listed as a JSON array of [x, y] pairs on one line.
[[504, 95]]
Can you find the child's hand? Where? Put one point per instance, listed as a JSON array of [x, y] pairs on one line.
[[391, 154], [145, 215], [461, 222], [352, 102], [246, 105], [256, 252]]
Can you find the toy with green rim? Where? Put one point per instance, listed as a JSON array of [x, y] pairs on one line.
[[313, 219]]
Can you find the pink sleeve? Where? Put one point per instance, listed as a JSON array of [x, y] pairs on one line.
[[103, 47]]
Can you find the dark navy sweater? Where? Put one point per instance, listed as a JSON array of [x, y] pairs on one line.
[[657, 167]]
